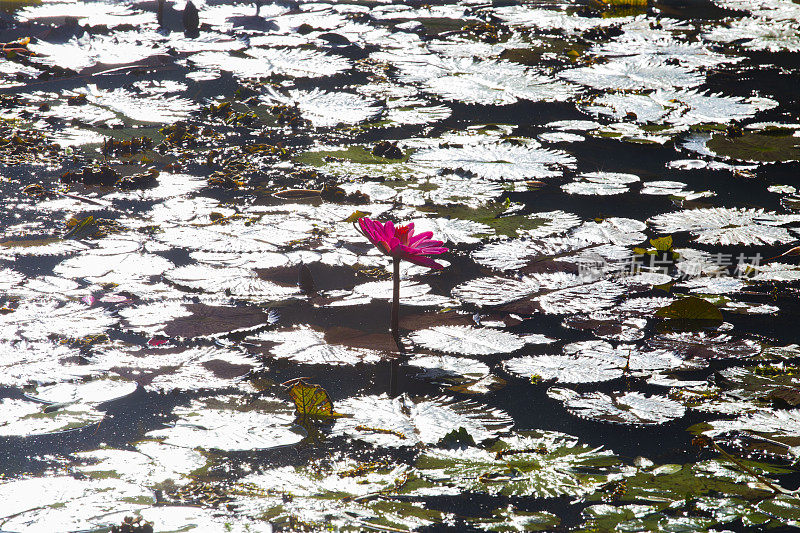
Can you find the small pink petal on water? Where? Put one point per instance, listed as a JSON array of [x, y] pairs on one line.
[[114, 299], [157, 341]]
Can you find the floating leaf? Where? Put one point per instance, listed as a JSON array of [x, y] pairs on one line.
[[539, 464], [487, 82], [510, 519], [758, 146], [408, 421], [311, 401], [60, 407], [633, 73], [41, 362], [64, 503], [495, 290], [565, 368], [662, 244], [590, 297], [150, 463], [632, 408], [210, 321], [721, 495], [338, 491], [328, 109], [691, 310], [231, 423], [717, 225], [497, 162], [40, 318], [238, 282], [459, 438], [447, 366], [168, 368], [352, 219], [784, 508], [759, 33], [264, 61], [335, 347], [467, 340]]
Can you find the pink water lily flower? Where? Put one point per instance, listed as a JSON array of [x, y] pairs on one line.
[[401, 243]]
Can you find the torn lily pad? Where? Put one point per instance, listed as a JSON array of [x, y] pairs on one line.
[[540, 464], [61, 407], [449, 367], [308, 346], [630, 408], [41, 362], [231, 423], [236, 282], [467, 340], [498, 162], [408, 421], [151, 463], [36, 320], [719, 225], [564, 368], [64, 503], [338, 492]]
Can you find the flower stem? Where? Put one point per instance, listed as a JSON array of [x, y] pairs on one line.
[[778, 489], [396, 299]]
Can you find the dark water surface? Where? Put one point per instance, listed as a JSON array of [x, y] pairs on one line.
[[178, 251]]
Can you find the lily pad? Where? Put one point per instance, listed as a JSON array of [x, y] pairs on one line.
[[539, 464], [231, 423], [691, 312], [620, 408], [467, 340], [756, 146], [408, 421]]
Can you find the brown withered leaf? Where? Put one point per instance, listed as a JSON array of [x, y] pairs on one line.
[[785, 397], [311, 400]]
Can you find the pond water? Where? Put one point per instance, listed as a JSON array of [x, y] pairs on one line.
[[196, 335]]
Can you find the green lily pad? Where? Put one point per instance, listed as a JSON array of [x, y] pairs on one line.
[[509, 519], [340, 493], [509, 226], [758, 146], [783, 507], [662, 244], [539, 464], [690, 497], [691, 313], [353, 154]]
